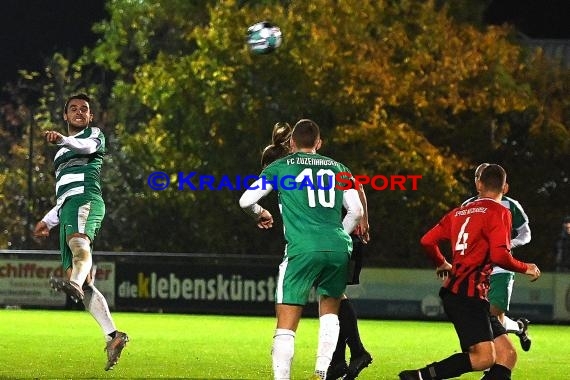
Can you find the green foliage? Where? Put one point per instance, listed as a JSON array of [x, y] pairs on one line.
[[398, 88], [27, 181]]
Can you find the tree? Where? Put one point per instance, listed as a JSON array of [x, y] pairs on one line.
[[398, 88]]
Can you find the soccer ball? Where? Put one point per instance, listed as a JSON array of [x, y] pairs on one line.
[[263, 37]]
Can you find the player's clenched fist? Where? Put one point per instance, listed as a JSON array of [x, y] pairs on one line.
[[265, 220], [53, 137], [41, 229], [533, 272]]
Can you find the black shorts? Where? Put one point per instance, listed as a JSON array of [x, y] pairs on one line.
[[355, 263], [471, 318]]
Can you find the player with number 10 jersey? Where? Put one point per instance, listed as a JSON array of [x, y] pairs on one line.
[[313, 178]]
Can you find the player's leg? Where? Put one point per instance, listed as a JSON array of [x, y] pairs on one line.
[[511, 325], [338, 367], [328, 333], [283, 348], [291, 294], [359, 357], [522, 333], [349, 334], [501, 288], [96, 304], [330, 288], [66, 263], [89, 218], [80, 219], [505, 354], [470, 318]]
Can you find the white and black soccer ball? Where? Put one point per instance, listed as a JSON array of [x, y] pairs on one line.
[[264, 37]]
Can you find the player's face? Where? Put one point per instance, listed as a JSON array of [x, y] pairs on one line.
[[78, 114]]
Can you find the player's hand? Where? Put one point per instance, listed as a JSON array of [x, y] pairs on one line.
[[533, 272], [53, 137], [361, 231], [41, 230], [443, 270], [265, 220]]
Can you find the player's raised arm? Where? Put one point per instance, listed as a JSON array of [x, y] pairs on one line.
[[82, 146]]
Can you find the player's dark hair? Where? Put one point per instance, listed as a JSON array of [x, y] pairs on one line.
[[305, 133], [279, 144], [493, 177], [81, 96]]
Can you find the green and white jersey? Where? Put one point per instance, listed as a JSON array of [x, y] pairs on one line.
[[520, 231], [78, 172], [310, 202], [517, 213]]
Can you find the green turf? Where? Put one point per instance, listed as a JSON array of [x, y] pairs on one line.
[[69, 345]]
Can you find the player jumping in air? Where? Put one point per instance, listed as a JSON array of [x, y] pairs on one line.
[[79, 211]]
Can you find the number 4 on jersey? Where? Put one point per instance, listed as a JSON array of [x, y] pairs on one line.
[[461, 244]]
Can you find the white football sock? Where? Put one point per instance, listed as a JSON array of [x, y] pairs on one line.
[[82, 260], [282, 353], [510, 325], [328, 335], [97, 305]]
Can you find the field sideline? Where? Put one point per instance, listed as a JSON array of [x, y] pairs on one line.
[[43, 344]]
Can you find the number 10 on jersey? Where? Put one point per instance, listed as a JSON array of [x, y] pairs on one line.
[[324, 186]]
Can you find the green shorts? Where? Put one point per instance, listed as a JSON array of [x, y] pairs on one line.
[[500, 290], [326, 271], [78, 215]]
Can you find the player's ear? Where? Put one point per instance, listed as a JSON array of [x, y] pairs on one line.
[[505, 188], [319, 143], [478, 185]]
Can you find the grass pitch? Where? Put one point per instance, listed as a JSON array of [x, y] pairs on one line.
[[39, 344]]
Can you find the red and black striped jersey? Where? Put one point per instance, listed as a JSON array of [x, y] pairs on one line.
[[480, 235]]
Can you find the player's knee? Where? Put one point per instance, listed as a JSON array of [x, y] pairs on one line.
[[506, 356], [483, 356], [80, 248]]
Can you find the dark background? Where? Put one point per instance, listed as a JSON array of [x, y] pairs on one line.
[[31, 30]]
